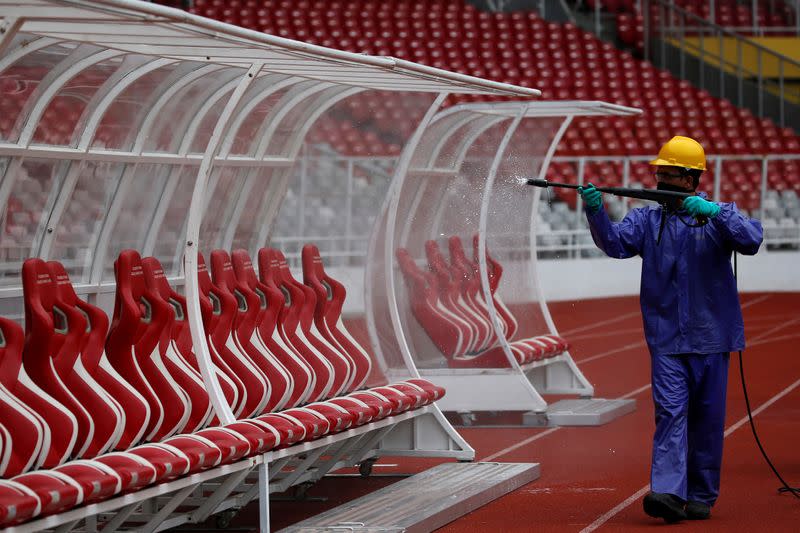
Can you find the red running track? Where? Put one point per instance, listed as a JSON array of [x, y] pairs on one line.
[[593, 479]]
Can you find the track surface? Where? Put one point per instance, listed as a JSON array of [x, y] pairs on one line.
[[594, 478]]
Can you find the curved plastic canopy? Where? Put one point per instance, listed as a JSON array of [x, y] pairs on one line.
[[129, 125], [452, 285]]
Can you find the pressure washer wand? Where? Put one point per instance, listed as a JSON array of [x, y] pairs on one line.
[[662, 197]]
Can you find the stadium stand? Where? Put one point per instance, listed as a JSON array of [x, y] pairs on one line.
[[565, 61]]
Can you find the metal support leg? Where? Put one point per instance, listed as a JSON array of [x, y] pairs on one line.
[[263, 498], [349, 445], [371, 443], [165, 511], [120, 517], [302, 468], [211, 503], [63, 528]]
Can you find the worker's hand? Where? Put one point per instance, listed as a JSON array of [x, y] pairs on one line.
[[697, 206], [591, 197]]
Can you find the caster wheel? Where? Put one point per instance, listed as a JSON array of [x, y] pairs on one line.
[[224, 518], [365, 467], [301, 490]]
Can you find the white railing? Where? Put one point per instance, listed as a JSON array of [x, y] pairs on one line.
[[348, 247]]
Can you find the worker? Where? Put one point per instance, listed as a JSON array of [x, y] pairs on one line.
[[692, 321]]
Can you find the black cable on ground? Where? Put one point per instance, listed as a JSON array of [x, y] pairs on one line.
[[786, 487]]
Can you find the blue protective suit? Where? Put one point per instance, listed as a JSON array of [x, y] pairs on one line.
[[692, 320]]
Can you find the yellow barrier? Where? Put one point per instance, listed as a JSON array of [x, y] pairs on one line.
[[770, 68]]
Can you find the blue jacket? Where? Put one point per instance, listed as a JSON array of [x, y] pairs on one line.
[[688, 293]]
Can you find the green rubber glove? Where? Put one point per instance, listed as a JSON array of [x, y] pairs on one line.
[[696, 205], [591, 197]]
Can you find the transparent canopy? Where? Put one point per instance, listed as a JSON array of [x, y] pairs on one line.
[[452, 281], [125, 124]]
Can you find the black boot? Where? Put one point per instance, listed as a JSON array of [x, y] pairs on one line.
[[698, 511], [665, 506]]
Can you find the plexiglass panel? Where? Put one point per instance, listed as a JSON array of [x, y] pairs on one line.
[[170, 223], [169, 130], [254, 197], [62, 115], [222, 196], [143, 191], [437, 284], [27, 209], [510, 222], [81, 220], [258, 102], [22, 79], [120, 124]]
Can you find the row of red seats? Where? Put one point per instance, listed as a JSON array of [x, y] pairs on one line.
[[86, 416], [563, 60], [448, 302]]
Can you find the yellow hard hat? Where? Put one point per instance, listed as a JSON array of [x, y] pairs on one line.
[[681, 152]]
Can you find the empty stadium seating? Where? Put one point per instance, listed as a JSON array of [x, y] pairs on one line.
[[448, 302], [91, 412], [561, 59]]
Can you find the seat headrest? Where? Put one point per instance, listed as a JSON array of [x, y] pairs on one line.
[[243, 267], [222, 270], [268, 265], [129, 273], [155, 278], [38, 286], [312, 262], [64, 289], [203, 277]]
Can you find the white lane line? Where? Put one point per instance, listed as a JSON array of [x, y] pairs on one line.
[[643, 343], [612, 333], [625, 348], [773, 339], [641, 492], [755, 301], [538, 436], [601, 323], [520, 444], [763, 406], [762, 336], [635, 392]]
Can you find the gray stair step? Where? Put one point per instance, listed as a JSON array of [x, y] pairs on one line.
[[425, 501], [582, 412]]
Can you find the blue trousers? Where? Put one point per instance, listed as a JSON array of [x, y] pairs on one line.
[[689, 395]]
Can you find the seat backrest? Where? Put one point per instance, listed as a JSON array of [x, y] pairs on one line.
[[288, 326], [244, 314], [54, 335], [470, 282], [253, 298], [136, 345], [25, 433], [340, 365], [221, 309], [450, 295], [178, 357], [446, 333], [299, 375], [330, 301], [106, 413], [495, 274]]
